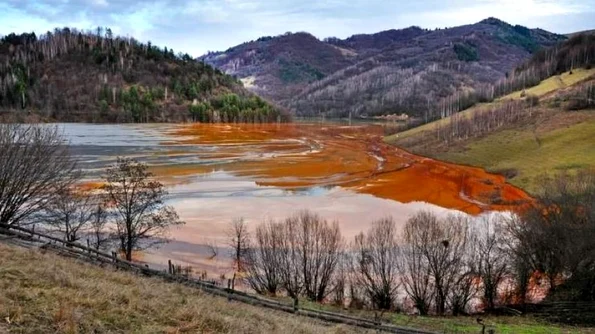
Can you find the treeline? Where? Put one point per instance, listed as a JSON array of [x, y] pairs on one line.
[[369, 89], [450, 265], [231, 108], [481, 122], [583, 98], [576, 52], [96, 76]]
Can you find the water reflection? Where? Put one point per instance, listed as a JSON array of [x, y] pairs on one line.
[[216, 173]]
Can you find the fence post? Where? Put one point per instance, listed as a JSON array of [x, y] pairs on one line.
[[169, 267], [114, 256], [88, 246], [295, 304], [228, 289]]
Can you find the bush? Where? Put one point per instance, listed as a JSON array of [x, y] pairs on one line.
[[532, 100]]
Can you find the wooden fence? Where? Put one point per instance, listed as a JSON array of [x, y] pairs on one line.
[[92, 255]]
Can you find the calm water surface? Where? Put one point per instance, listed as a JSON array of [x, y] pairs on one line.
[[208, 201]]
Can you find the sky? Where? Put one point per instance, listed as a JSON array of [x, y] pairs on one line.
[[199, 26]]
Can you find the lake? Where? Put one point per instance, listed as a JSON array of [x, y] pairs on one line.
[[218, 172]]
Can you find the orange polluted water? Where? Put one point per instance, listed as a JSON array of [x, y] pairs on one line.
[[294, 156]]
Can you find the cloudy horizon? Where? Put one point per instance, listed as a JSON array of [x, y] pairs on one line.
[[199, 26]]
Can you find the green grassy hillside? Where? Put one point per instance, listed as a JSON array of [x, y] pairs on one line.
[[532, 151], [554, 83], [548, 139]]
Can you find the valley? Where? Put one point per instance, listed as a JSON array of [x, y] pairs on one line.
[[439, 178]]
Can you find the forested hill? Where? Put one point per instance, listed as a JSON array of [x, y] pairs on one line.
[[70, 75], [396, 71]]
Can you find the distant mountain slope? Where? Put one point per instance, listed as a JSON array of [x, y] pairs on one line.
[[547, 125], [278, 67], [395, 71], [69, 75]]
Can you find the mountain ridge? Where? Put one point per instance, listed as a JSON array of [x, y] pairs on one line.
[[392, 71]]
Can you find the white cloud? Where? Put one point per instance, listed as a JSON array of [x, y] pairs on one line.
[[99, 3], [196, 26]]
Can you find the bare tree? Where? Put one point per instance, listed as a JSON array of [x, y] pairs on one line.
[[340, 281], [555, 236], [98, 227], [466, 285], [239, 242], [34, 166], [493, 263], [263, 262], [415, 271], [300, 254], [442, 243], [291, 265], [142, 219], [319, 249], [375, 263], [69, 212]]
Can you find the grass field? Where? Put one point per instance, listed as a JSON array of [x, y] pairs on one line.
[[553, 83], [531, 151], [552, 140], [45, 293]]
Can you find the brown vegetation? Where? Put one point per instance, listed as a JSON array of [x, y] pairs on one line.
[[45, 293]]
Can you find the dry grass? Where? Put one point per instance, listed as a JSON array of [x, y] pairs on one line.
[[554, 83], [45, 293]]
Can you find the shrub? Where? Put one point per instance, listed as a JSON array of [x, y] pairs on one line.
[[532, 100]]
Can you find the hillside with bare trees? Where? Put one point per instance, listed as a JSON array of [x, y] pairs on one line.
[[72, 75], [545, 109], [391, 72]]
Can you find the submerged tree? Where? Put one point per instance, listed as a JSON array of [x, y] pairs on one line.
[[142, 219], [98, 224]]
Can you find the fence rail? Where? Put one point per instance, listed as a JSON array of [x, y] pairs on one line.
[[92, 255]]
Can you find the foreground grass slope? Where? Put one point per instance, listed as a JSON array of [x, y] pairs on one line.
[[45, 293]]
